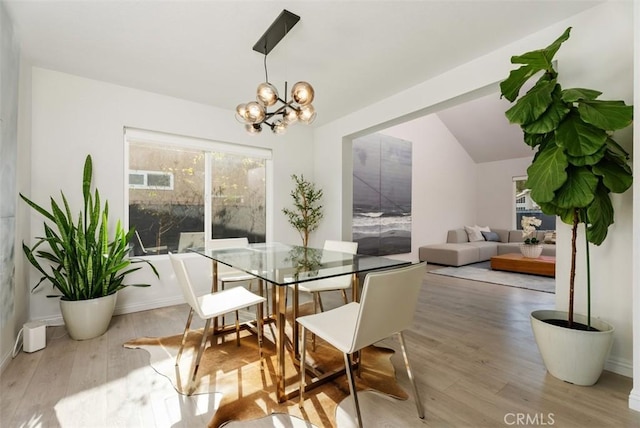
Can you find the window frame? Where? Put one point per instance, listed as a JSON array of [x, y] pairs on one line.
[[514, 211], [146, 185], [209, 147]]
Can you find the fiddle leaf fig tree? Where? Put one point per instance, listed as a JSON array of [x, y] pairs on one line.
[[577, 164], [307, 212]]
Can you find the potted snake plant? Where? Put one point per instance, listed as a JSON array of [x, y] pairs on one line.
[[82, 261], [576, 166]]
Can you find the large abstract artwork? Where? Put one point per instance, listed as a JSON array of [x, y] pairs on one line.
[[10, 60], [382, 195]]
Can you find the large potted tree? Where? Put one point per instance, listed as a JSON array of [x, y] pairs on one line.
[[576, 166], [82, 262]]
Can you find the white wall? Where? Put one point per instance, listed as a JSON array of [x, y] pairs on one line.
[[599, 55], [443, 181], [494, 190], [74, 116]]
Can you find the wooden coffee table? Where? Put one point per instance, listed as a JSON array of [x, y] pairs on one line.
[[514, 262]]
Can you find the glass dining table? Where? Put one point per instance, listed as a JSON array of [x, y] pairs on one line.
[[285, 266]]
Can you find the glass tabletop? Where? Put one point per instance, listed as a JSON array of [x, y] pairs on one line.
[[283, 264]]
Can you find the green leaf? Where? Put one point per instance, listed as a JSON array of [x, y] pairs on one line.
[[542, 58], [534, 140], [617, 150], [551, 209], [578, 137], [614, 177], [588, 160], [550, 119], [547, 173], [86, 177], [510, 87], [533, 104], [37, 207], [600, 214], [572, 95], [607, 115], [579, 189]]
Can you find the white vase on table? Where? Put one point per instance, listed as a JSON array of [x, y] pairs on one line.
[[531, 251]]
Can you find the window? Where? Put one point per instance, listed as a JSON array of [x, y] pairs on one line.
[[156, 180], [526, 206], [168, 180]]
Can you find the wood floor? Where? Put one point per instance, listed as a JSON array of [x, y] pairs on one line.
[[471, 348]]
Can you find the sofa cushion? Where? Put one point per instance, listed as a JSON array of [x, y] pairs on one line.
[[486, 249], [449, 254], [502, 233], [515, 236], [457, 236], [475, 232], [491, 236]]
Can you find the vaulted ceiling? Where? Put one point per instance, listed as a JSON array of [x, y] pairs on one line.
[[354, 53]]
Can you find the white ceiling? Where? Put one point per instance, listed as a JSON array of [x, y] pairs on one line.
[[354, 53]]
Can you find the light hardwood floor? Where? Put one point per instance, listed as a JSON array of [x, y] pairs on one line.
[[471, 347]]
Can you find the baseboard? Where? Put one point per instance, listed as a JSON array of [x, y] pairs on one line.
[[124, 309], [146, 306], [634, 399], [620, 366]]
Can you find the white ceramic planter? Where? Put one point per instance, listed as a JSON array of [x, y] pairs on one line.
[[86, 319], [571, 355], [531, 251]]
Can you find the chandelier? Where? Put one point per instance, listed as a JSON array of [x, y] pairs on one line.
[[298, 108]]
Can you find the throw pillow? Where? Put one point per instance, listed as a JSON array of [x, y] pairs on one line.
[[474, 234], [490, 236], [549, 238]]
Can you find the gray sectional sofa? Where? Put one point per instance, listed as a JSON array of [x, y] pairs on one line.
[[458, 251]]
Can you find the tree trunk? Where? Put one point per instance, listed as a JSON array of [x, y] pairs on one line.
[[572, 277]]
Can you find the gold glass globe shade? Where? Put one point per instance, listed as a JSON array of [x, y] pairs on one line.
[[280, 127], [253, 130], [291, 116], [307, 114], [241, 113], [255, 112], [267, 94], [302, 93]]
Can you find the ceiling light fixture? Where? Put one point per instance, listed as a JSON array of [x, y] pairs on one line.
[[298, 109]]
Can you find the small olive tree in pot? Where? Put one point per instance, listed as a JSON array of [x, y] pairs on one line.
[[307, 212], [577, 165]]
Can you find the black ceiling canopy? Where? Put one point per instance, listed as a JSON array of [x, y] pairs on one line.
[[280, 27]]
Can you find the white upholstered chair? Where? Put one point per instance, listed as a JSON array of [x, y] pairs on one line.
[[228, 274], [225, 273], [341, 283], [387, 307], [212, 305]]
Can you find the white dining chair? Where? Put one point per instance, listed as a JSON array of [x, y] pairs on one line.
[[387, 307], [337, 283], [227, 274], [212, 305]]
